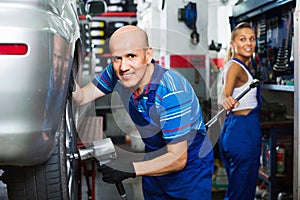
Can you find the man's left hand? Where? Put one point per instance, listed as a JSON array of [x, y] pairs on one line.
[[114, 172]]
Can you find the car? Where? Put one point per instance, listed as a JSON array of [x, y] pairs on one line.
[[40, 55]]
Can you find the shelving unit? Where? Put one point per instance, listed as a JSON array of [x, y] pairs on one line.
[[270, 175], [249, 9], [265, 15], [283, 88]]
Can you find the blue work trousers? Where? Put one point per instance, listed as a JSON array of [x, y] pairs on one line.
[[240, 149], [194, 182]]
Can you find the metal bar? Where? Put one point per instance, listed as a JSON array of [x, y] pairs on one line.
[[253, 84]]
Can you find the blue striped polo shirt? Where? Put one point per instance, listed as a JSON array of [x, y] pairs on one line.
[[168, 105]]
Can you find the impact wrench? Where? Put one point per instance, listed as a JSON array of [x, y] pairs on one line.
[[104, 151]]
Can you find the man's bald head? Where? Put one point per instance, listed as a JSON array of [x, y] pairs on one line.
[[128, 38]]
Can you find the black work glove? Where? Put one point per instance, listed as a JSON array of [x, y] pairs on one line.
[[115, 172]]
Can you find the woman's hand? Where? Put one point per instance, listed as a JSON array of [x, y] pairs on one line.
[[230, 103]]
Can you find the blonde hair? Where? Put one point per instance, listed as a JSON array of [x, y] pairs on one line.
[[234, 33]]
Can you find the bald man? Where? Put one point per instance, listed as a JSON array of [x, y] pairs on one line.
[[165, 110]]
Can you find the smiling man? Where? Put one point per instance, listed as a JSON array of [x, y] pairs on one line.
[[165, 110]]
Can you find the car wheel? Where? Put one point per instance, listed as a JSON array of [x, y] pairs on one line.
[[57, 178]]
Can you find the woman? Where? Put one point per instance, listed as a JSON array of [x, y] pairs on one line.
[[240, 139]]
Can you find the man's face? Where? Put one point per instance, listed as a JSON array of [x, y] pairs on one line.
[[131, 61], [131, 68]]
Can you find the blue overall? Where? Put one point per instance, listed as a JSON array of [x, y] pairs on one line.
[[240, 149], [168, 112]]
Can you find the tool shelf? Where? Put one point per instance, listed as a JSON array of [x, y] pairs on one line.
[[273, 24], [254, 8], [283, 88], [276, 182]]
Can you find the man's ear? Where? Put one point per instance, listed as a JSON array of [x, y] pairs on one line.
[[149, 55]]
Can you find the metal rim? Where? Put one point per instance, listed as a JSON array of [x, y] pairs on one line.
[[70, 148]]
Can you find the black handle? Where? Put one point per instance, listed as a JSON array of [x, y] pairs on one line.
[[121, 190]]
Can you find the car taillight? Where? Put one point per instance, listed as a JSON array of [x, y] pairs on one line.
[[13, 49]]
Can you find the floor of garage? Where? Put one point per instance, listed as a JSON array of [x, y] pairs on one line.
[[105, 191]]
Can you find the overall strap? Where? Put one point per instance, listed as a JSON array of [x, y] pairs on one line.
[[258, 95], [244, 65]]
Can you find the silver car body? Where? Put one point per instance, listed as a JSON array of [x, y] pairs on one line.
[[33, 86]]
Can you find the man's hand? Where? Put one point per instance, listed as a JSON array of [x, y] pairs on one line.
[[114, 172]]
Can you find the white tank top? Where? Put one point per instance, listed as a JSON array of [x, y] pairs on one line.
[[249, 101]]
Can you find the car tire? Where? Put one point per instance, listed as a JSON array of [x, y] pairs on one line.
[[57, 178]]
